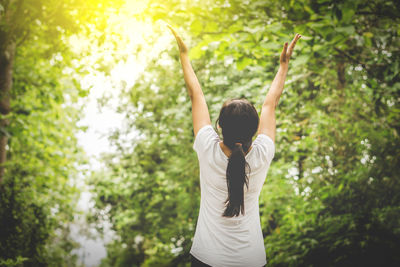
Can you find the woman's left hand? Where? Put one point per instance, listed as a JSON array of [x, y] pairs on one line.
[[182, 47], [287, 51]]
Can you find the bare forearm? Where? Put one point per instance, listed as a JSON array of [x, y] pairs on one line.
[[275, 91], [189, 75]]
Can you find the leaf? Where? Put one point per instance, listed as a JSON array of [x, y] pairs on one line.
[[347, 14], [243, 63], [349, 30], [306, 38], [367, 41], [196, 52], [196, 27], [270, 46], [300, 60], [211, 27], [368, 34]]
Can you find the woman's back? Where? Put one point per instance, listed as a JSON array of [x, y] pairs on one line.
[[229, 241], [230, 235]]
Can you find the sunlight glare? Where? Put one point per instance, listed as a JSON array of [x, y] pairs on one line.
[[136, 6]]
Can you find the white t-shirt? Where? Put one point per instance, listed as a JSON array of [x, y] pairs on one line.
[[238, 241]]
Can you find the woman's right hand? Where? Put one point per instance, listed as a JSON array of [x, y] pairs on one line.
[[182, 47], [287, 52]]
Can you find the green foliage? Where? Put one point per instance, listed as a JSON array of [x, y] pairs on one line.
[[38, 195], [331, 197], [10, 262]]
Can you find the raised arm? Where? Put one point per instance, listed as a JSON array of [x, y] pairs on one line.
[[267, 118], [200, 114]]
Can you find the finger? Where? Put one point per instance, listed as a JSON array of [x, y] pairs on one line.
[[293, 43], [297, 36], [181, 44], [172, 30], [179, 39], [284, 51]]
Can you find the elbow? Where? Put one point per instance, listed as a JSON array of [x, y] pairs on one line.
[[270, 103], [196, 95]]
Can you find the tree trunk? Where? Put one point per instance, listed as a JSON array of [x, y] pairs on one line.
[[6, 67], [341, 73]]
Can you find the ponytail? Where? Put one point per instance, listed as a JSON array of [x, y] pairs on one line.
[[236, 178], [239, 121]]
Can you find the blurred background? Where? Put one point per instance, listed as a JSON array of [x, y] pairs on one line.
[[96, 159]]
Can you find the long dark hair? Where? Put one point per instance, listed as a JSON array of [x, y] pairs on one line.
[[239, 121]]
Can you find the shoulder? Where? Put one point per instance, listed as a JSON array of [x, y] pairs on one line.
[[205, 138], [264, 148], [263, 139]]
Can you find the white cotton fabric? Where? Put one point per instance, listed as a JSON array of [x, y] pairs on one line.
[[228, 242]]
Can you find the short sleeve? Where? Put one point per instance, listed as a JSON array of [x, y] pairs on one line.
[[205, 138], [266, 147]]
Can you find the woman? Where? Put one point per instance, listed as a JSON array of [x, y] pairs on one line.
[[232, 171]]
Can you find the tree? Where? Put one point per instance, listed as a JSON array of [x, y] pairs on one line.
[[51, 21], [38, 85], [331, 196]]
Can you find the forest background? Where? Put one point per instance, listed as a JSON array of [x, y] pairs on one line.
[[332, 193]]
